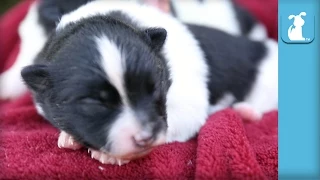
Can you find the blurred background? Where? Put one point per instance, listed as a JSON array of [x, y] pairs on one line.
[[6, 4]]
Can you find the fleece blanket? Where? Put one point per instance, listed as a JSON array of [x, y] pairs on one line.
[[225, 148]]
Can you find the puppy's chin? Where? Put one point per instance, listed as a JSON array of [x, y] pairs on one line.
[[129, 156], [137, 155], [136, 152]]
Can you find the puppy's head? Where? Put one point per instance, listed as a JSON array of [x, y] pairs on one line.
[[104, 84]]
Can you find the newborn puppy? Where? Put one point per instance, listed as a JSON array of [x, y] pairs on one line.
[[121, 79]]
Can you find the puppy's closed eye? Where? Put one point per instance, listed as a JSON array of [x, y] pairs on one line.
[[90, 100], [104, 98]]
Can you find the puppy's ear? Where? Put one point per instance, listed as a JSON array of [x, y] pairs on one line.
[[37, 77], [291, 16], [157, 37]]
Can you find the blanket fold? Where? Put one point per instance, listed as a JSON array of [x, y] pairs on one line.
[[225, 148]]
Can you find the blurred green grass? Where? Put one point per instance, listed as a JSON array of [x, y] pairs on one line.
[[6, 4]]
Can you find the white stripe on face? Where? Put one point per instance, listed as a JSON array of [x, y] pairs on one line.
[[126, 125], [113, 64]]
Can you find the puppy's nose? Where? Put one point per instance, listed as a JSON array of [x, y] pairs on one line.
[[143, 139]]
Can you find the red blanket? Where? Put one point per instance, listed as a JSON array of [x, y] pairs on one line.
[[226, 147]]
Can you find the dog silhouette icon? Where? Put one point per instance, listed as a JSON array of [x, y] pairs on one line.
[[295, 30]]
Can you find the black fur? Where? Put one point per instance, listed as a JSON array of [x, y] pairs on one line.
[[50, 11], [74, 92], [232, 61]]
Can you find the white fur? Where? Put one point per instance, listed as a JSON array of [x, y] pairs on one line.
[[258, 33], [218, 14], [225, 101], [39, 109], [33, 38], [187, 99], [113, 64], [122, 131], [264, 94]]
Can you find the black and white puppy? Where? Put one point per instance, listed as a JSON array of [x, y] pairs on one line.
[[123, 78], [43, 16]]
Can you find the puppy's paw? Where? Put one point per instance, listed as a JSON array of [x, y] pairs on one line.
[[106, 158], [67, 141], [247, 112]]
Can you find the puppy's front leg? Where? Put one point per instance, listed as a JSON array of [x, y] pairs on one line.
[[67, 141]]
